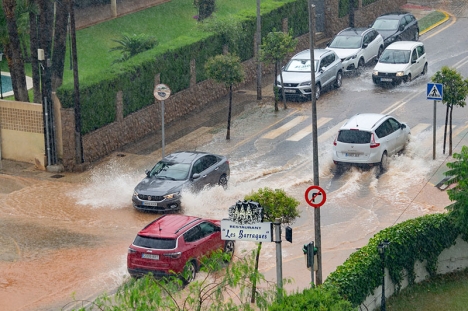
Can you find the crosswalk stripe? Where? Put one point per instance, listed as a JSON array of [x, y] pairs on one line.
[[308, 129], [333, 131], [277, 132], [419, 128]]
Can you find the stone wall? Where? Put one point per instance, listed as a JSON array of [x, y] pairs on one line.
[[105, 140]]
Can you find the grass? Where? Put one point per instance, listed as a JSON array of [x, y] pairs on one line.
[[444, 292], [430, 19], [170, 21]]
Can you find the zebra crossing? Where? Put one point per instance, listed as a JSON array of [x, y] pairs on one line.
[[295, 132]]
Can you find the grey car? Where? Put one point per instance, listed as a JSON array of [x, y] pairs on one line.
[[297, 77], [160, 190], [397, 27]]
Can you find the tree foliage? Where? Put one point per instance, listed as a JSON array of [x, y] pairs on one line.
[[205, 8], [218, 288], [458, 171], [275, 47], [226, 69], [276, 204], [455, 92], [131, 45]]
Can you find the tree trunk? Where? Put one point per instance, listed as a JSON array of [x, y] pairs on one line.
[[14, 56], [254, 281], [275, 87], [445, 127], [450, 134], [228, 134], [34, 62], [282, 89], [60, 39]]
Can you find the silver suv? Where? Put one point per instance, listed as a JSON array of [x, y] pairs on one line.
[[296, 74], [369, 139]]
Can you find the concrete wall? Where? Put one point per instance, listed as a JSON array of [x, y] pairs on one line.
[[22, 132], [451, 259]]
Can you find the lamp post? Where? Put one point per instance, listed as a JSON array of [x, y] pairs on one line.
[[381, 248]]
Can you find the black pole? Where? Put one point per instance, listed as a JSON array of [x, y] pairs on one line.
[[78, 138], [382, 304]]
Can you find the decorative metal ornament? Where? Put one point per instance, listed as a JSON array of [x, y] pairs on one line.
[[246, 212]]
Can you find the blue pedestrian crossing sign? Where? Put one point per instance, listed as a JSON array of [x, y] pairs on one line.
[[435, 91]]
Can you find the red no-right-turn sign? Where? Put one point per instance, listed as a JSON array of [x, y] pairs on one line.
[[315, 196]]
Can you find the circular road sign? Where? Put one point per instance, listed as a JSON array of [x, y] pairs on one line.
[[315, 196], [162, 92]]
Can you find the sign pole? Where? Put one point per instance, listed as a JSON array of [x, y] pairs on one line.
[[434, 133], [162, 130], [279, 259], [161, 92]]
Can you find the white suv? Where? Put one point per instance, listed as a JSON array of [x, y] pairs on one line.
[[401, 61], [357, 46], [369, 139]]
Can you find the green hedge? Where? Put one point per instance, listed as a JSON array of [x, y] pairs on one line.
[[422, 238], [135, 77]]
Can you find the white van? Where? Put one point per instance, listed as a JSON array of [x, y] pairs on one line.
[[400, 61]]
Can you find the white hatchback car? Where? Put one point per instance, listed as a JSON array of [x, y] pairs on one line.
[[368, 139], [357, 46], [401, 61]]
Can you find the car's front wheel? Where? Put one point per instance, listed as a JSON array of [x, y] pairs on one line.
[[408, 78], [318, 90], [361, 63], [339, 79], [416, 35]]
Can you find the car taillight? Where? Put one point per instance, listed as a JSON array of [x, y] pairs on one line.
[[334, 142], [373, 144], [173, 255], [131, 251]]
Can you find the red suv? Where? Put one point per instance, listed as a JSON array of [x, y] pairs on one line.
[[165, 245]]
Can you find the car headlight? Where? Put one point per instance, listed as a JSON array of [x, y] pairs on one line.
[[307, 83], [351, 57], [135, 193], [400, 73], [375, 73], [171, 196]]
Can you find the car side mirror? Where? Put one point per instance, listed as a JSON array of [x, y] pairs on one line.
[[147, 173], [401, 28], [195, 176], [402, 126], [365, 45], [322, 69]]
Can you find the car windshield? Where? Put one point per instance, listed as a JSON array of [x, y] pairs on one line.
[[156, 243], [395, 57], [170, 170], [386, 24], [346, 42], [300, 65], [354, 137]]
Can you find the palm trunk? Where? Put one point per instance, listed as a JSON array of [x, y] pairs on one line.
[[60, 39], [14, 55], [34, 62], [282, 89]]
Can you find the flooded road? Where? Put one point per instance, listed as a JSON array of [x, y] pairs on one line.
[[66, 238]]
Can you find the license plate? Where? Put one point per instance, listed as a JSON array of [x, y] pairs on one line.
[[150, 256], [352, 154], [289, 91], [386, 80], [150, 203]]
